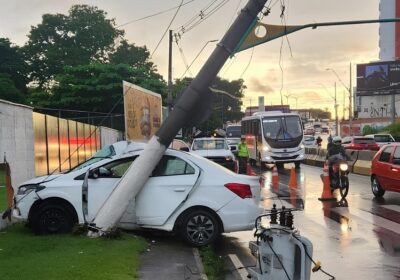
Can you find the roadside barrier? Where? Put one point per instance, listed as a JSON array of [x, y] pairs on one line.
[[320, 160], [311, 157], [353, 155], [326, 189], [363, 163], [360, 161]]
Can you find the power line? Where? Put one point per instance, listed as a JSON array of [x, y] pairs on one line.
[[183, 58], [153, 15], [166, 30]]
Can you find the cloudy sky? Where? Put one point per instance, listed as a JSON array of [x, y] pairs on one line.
[[303, 56]]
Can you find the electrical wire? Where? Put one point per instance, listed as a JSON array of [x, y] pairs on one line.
[[202, 17], [166, 30], [199, 14], [183, 58], [153, 15], [248, 63], [276, 255]]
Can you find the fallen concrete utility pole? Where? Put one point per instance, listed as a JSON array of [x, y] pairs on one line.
[[191, 108]]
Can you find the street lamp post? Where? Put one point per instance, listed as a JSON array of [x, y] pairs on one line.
[[336, 108], [350, 96]]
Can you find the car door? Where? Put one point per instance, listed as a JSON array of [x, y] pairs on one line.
[[394, 171], [166, 190], [383, 167], [101, 182]]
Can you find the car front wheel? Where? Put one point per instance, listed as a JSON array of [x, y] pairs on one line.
[[376, 187], [51, 218], [199, 228]]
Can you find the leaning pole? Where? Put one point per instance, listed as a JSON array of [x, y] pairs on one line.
[[191, 107]]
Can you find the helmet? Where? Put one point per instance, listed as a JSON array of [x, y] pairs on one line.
[[337, 140]]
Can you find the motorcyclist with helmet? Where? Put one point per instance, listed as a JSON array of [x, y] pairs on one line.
[[335, 153]]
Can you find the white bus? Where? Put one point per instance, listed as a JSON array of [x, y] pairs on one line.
[[274, 138]]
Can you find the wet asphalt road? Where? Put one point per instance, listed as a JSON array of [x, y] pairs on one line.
[[358, 238]]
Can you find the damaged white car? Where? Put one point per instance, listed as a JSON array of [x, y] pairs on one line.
[[186, 193]]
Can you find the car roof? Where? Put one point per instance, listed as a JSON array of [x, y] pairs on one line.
[[209, 138]]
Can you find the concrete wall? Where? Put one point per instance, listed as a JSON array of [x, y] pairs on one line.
[[17, 141], [376, 106], [110, 136]]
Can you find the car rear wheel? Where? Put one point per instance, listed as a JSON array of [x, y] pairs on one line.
[[376, 187], [199, 228], [52, 218]]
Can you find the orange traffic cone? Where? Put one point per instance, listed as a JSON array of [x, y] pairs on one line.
[[275, 178], [326, 192], [293, 179], [250, 171]]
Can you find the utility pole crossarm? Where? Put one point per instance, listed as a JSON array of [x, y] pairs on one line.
[[253, 37]]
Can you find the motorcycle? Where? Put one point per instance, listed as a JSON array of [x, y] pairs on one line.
[[340, 179]]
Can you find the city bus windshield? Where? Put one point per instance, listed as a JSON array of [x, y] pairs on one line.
[[282, 127]]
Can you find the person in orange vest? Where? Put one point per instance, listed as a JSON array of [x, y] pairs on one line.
[[243, 155]]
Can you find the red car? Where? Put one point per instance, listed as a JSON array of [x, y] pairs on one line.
[[360, 143], [385, 170]]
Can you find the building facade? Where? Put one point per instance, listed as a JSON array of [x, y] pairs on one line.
[[389, 33]]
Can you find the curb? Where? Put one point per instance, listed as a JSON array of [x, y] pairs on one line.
[[199, 264]]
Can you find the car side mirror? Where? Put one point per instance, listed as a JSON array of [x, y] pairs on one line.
[[185, 149]]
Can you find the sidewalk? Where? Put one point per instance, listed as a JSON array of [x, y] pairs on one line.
[[169, 258]]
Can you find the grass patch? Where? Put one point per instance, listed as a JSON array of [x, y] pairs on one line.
[[3, 199], [2, 177], [27, 256], [214, 265]]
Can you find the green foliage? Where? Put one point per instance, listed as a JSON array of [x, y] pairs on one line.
[[214, 265], [393, 129], [29, 256], [83, 36], [8, 89], [225, 106], [369, 130], [13, 70]]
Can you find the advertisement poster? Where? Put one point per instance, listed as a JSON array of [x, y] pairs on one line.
[[142, 109]]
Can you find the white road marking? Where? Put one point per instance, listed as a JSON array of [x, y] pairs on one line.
[[237, 263]]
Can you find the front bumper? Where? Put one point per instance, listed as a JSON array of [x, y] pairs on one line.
[[283, 157]]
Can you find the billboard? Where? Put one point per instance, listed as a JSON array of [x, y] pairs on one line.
[[142, 109], [378, 78]]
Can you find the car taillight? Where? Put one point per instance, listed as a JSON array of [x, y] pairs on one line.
[[240, 190]]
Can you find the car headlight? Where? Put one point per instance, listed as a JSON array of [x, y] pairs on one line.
[[229, 158], [265, 148], [23, 190], [343, 166], [302, 146]]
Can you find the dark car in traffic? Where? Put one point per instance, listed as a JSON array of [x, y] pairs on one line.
[[385, 170]]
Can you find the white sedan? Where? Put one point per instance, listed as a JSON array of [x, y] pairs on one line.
[[186, 193]]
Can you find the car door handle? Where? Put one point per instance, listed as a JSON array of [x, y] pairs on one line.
[[179, 189]]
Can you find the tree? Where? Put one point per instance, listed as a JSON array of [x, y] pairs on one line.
[[226, 105], [13, 72], [8, 90], [83, 36]]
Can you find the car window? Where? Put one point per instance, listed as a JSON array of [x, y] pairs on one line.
[[396, 156], [383, 138], [385, 156], [364, 140], [170, 165], [115, 169]]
